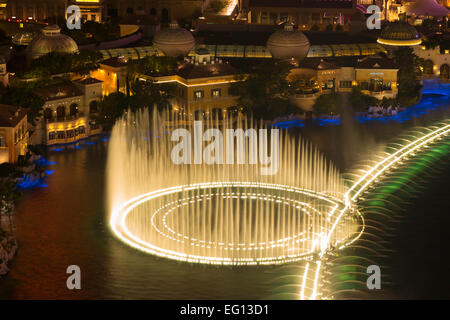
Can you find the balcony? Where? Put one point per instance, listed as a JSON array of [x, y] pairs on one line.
[[65, 118]]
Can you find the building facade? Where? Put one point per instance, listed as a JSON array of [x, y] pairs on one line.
[[13, 133], [68, 112], [436, 62], [97, 10], [202, 87], [374, 75], [305, 13]]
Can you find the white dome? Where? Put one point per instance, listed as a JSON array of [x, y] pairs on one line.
[[51, 40], [288, 43], [174, 41]]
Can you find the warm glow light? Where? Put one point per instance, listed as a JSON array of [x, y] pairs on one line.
[[399, 42]]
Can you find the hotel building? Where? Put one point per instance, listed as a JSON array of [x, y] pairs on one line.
[[13, 133], [68, 112]]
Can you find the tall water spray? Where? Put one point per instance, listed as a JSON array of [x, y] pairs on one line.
[[225, 212]]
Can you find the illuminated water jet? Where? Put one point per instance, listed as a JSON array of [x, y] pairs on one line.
[[227, 214]]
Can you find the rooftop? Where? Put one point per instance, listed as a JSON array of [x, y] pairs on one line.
[[88, 80], [59, 92], [376, 62], [194, 71], [116, 62], [10, 116], [317, 64]]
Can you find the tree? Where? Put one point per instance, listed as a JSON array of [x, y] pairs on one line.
[[145, 94], [23, 97], [111, 108], [360, 101], [152, 65], [265, 91], [327, 104], [408, 75]]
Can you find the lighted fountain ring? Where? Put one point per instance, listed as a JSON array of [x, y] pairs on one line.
[[276, 244]]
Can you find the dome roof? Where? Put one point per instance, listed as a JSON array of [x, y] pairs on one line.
[[399, 33], [288, 43], [51, 40], [23, 38], [174, 41]]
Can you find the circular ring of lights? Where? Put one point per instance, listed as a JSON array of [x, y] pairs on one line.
[[176, 241]]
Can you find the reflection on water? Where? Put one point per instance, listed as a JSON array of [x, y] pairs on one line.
[[64, 224]]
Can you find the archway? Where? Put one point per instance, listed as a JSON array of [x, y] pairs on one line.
[[73, 109], [93, 106], [61, 112], [445, 71], [428, 67]]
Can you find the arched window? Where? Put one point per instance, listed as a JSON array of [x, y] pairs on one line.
[[61, 112], [48, 114], [73, 109], [445, 71], [93, 106], [428, 67]]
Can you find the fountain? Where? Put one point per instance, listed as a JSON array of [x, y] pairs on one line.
[[223, 212]]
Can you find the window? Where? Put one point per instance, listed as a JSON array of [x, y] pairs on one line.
[[81, 130], [264, 17], [364, 85], [61, 112], [215, 93], [199, 94], [316, 17], [2, 141], [73, 109], [61, 135], [70, 133], [273, 18], [52, 135], [345, 84], [93, 106]]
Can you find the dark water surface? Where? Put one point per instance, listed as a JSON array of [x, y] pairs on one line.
[[64, 223]]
